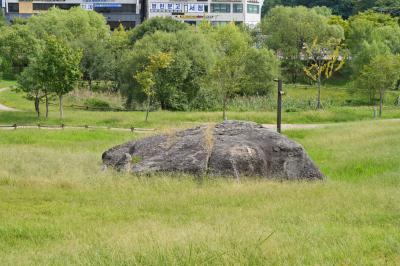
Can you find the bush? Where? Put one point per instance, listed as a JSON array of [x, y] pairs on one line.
[[97, 104]]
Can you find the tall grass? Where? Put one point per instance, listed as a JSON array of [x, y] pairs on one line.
[[58, 208]]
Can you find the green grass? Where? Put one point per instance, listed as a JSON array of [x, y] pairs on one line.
[[6, 83], [58, 208], [165, 119]]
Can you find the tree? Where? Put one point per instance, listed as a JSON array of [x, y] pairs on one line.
[[60, 68], [378, 76], [146, 78], [71, 25], [97, 61], [81, 30], [337, 20], [363, 25], [17, 45], [324, 60], [343, 8], [261, 67], [177, 85], [289, 28], [119, 44], [152, 25], [366, 52], [371, 34], [228, 72], [30, 83]]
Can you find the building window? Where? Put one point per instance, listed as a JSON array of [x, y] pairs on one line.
[[237, 8], [47, 6], [13, 7], [253, 9], [114, 8], [220, 8], [66, 6]]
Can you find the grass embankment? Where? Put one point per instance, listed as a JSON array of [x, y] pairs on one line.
[[57, 207], [6, 83], [336, 112]]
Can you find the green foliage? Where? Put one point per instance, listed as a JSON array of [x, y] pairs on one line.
[[3, 21], [150, 26], [337, 20], [17, 45], [363, 26], [229, 68], [119, 44], [59, 66], [82, 30], [288, 29], [177, 85], [241, 69], [261, 67], [204, 73], [343, 8], [29, 82], [98, 61], [364, 55], [323, 60], [97, 104], [146, 77], [71, 25], [371, 34], [378, 76]]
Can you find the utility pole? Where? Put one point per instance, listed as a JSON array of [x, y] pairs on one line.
[[279, 109]]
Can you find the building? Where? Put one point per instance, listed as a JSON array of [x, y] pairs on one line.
[[216, 11], [125, 12], [132, 12]]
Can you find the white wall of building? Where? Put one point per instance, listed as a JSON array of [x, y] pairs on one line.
[[194, 11]]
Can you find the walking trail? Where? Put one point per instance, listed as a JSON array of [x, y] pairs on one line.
[[296, 126], [5, 108]]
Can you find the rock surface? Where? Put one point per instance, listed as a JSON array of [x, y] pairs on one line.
[[232, 148]]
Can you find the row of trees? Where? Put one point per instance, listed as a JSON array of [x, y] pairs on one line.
[[169, 64], [306, 39], [344, 8], [51, 52]]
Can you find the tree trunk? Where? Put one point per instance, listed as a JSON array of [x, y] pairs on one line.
[[381, 93], [224, 115], [148, 108], [319, 93], [47, 105], [61, 107], [90, 84], [37, 107]]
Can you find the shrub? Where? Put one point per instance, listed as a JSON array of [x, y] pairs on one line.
[[97, 104]]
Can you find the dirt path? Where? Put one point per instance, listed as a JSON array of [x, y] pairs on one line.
[[296, 126], [5, 108]]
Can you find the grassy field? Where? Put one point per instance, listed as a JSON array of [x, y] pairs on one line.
[[163, 119], [6, 83], [58, 208]]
